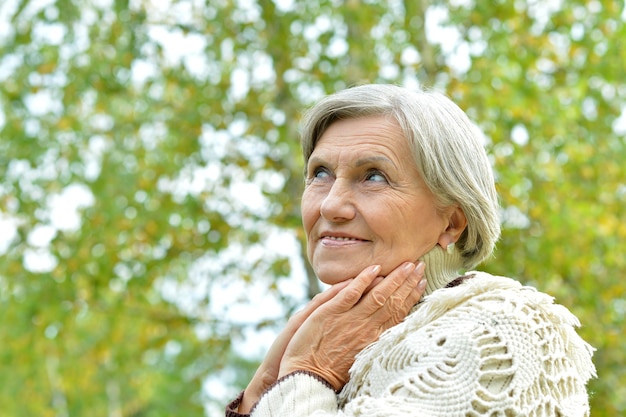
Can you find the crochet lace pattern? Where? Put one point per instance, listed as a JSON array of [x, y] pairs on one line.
[[487, 347]]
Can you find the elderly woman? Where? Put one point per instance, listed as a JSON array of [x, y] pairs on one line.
[[399, 198]]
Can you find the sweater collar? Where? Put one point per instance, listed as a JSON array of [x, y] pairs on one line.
[[441, 268]]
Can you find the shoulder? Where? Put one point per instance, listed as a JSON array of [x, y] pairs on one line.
[[489, 337], [531, 325], [483, 291], [482, 294]]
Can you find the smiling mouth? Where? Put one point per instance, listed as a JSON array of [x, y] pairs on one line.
[[342, 238]]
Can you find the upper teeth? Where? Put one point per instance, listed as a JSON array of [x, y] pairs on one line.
[[340, 238]]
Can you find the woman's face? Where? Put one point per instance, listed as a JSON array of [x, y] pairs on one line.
[[365, 202]]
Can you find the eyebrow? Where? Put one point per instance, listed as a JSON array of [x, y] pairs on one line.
[[315, 160], [372, 159]]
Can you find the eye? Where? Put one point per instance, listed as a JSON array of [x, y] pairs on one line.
[[376, 176], [320, 173]]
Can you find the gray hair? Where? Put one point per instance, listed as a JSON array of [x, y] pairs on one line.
[[447, 148]]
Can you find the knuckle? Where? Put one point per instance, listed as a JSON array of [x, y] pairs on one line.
[[396, 300], [352, 294], [397, 310], [395, 317], [317, 298], [378, 299]]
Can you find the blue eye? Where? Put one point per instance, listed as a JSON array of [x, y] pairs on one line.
[[320, 172], [375, 176]]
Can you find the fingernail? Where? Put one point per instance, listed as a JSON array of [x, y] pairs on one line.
[[420, 267], [376, 269], [422, 284], [409, 267]]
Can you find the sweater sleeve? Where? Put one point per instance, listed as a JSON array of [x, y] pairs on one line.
[[303, 394], [508, 352], [232, 409], [297, 394]]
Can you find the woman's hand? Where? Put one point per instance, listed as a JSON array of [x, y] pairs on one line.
[[327, 336], [267, 373]]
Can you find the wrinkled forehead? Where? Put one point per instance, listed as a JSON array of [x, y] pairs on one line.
[[323, 124]]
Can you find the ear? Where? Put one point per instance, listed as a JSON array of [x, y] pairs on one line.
[[456, 224]]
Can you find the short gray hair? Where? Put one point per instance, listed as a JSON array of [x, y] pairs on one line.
[[447, 147]]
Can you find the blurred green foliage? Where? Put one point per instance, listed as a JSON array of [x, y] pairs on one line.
[[140, 120]]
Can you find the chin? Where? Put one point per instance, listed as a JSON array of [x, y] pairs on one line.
[[331, 281], [332, 276]]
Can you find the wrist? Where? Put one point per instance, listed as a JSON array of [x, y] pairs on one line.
[[261, 381], [245, 405], [329, 377]]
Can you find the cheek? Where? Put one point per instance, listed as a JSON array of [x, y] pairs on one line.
[[416, 231], [309, 211], [396, 222]]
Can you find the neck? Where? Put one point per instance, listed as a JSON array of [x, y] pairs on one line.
[[441, 268]]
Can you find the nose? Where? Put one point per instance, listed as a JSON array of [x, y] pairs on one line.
[[338, 204]]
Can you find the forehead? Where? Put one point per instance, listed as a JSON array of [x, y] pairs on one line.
[[361, 134]]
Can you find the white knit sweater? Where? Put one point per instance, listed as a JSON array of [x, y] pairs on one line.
[[487, 347]]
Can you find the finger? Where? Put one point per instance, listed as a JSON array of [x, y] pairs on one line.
[[318, 300], [398, 304], [407, 289], [394, 281], [374, 283], [417, 293], [351, 295], [397, 315]]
